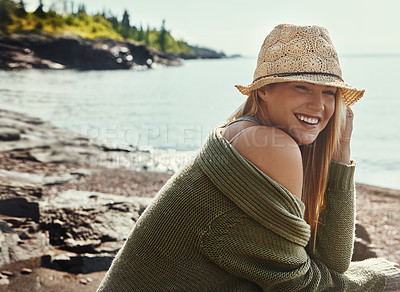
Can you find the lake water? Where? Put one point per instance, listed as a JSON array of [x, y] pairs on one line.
[[173, 109]]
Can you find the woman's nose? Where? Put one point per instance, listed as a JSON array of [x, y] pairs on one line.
[[316, 101]]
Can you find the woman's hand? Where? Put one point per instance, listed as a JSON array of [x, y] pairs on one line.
[[342, 152]]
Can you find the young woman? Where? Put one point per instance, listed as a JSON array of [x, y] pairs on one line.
[[268, 202]]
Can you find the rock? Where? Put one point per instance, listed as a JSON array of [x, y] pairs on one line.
[[81, 225], [20, 207], [8, 239], [362, 245], [81, 172], [111, 247], [83, 281], [49, 52], [7, 273], [4, 282], [42, 142], [13, 248], [37, 180], [89, 227], [16, 185], [81, 246], [26, 271], [13, 222], [9, 134], [77, 263], [59, 179]]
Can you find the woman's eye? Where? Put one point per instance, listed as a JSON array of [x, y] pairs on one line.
[[302, 87], [329, 92]]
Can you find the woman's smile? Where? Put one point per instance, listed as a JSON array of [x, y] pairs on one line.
[[308, 120]]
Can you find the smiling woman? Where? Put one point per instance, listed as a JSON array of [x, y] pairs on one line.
[[268, 202]]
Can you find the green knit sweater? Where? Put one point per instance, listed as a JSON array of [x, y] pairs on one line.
[[220, 224]]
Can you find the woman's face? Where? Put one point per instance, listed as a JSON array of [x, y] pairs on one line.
[[300, 109]]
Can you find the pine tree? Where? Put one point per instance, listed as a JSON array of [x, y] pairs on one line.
[[21, 5], [39, 11], [21, 12], [81, 8], [113, 20], [162, 41], [147, 36], [125, 25], [140, 36], [5, 12], [72, 6]]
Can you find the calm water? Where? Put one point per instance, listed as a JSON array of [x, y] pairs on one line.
[[175, 108]]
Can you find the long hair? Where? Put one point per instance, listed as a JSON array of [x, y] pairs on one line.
[[249, 108], [316, 156]]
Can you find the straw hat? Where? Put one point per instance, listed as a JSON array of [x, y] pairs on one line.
[[300, 53]]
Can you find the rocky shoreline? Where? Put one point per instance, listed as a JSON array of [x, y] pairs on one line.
[[64, 213], [41, 51]]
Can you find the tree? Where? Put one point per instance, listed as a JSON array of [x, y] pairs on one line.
[[65, 7], [125, 19], [113, 20], [5, 12], [81, 8], [21, 12], [162, 41], [140, 35], [39, 11], [72, 6], [147, 36], [125, 24]]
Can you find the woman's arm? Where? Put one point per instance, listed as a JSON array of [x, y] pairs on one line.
[[335, 231], [243, 247]]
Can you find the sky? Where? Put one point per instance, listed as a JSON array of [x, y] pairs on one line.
[[239, 27]]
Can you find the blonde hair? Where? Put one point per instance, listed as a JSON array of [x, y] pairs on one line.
[[316, 156], [249, 108]]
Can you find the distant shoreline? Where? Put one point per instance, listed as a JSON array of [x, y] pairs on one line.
[[42, 51]]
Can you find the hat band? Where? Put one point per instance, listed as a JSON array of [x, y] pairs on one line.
[[298, 73]]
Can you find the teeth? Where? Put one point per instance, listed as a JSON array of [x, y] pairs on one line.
[[307, 120]]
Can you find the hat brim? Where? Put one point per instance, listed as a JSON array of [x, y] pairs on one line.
[[350, 94]]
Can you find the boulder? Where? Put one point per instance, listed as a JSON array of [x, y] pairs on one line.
[[9, 134], [77, 263], [80, 221], [50, 52], [18, 244], [19, 194], [362, 245], [20, 207]]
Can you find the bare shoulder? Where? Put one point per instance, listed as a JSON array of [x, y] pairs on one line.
[[275, 153]]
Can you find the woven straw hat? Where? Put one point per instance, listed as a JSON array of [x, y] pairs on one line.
[[300, 53]]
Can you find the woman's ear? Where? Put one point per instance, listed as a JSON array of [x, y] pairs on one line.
[[262, 93]]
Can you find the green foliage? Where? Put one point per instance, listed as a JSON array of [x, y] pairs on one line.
[[38, 26], [20, 11], [7, 8], [15, 19], [163, 37], [39, 11]]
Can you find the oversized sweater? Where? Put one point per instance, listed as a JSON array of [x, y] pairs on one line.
[[221, 224]]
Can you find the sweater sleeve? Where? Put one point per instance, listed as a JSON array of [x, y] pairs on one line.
[[335, 233], [241, 246]]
